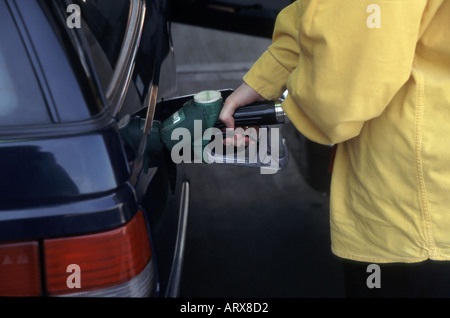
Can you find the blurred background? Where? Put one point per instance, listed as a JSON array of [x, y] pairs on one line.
[[249, 235]]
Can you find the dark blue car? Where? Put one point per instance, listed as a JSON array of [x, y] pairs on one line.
[[75, 218], [80, 214]]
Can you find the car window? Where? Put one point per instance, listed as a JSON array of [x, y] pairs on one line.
[[109, 26], [105, 23], [21, 100]]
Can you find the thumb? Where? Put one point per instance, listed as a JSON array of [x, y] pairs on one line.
[[227, 112], [243, 95]]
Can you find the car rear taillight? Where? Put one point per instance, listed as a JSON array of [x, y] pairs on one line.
[[19, 269], [116, 263]]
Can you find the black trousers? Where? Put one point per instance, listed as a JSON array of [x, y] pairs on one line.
[[428, 279]]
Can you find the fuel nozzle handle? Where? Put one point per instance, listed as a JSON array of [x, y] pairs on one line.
[[257, 114]]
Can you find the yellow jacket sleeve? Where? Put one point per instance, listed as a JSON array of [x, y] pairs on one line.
[[342, 61]]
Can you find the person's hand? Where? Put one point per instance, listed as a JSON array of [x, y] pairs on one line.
[[242, 96]]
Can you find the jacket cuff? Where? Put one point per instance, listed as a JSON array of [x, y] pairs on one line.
[[267, 77]]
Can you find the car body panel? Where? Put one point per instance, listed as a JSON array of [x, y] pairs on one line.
[[69, 174]]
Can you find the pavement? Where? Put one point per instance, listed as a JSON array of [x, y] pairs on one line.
[[249, 235]]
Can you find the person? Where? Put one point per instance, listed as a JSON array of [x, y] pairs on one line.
[[373, 79]]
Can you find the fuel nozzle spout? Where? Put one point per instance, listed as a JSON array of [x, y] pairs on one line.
[[131, 129]]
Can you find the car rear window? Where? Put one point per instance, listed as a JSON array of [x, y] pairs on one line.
[[105, 25], [21, 100]]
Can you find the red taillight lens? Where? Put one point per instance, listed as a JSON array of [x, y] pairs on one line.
[[104, 259], [19, 270]]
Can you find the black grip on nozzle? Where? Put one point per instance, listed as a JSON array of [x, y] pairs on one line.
[[256, 114]]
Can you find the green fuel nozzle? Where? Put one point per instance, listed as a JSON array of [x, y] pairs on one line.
[[204, 107]]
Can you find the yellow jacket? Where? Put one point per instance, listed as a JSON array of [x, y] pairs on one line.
[[374, 77]]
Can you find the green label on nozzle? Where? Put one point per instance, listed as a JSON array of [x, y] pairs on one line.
[[174, 120]]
